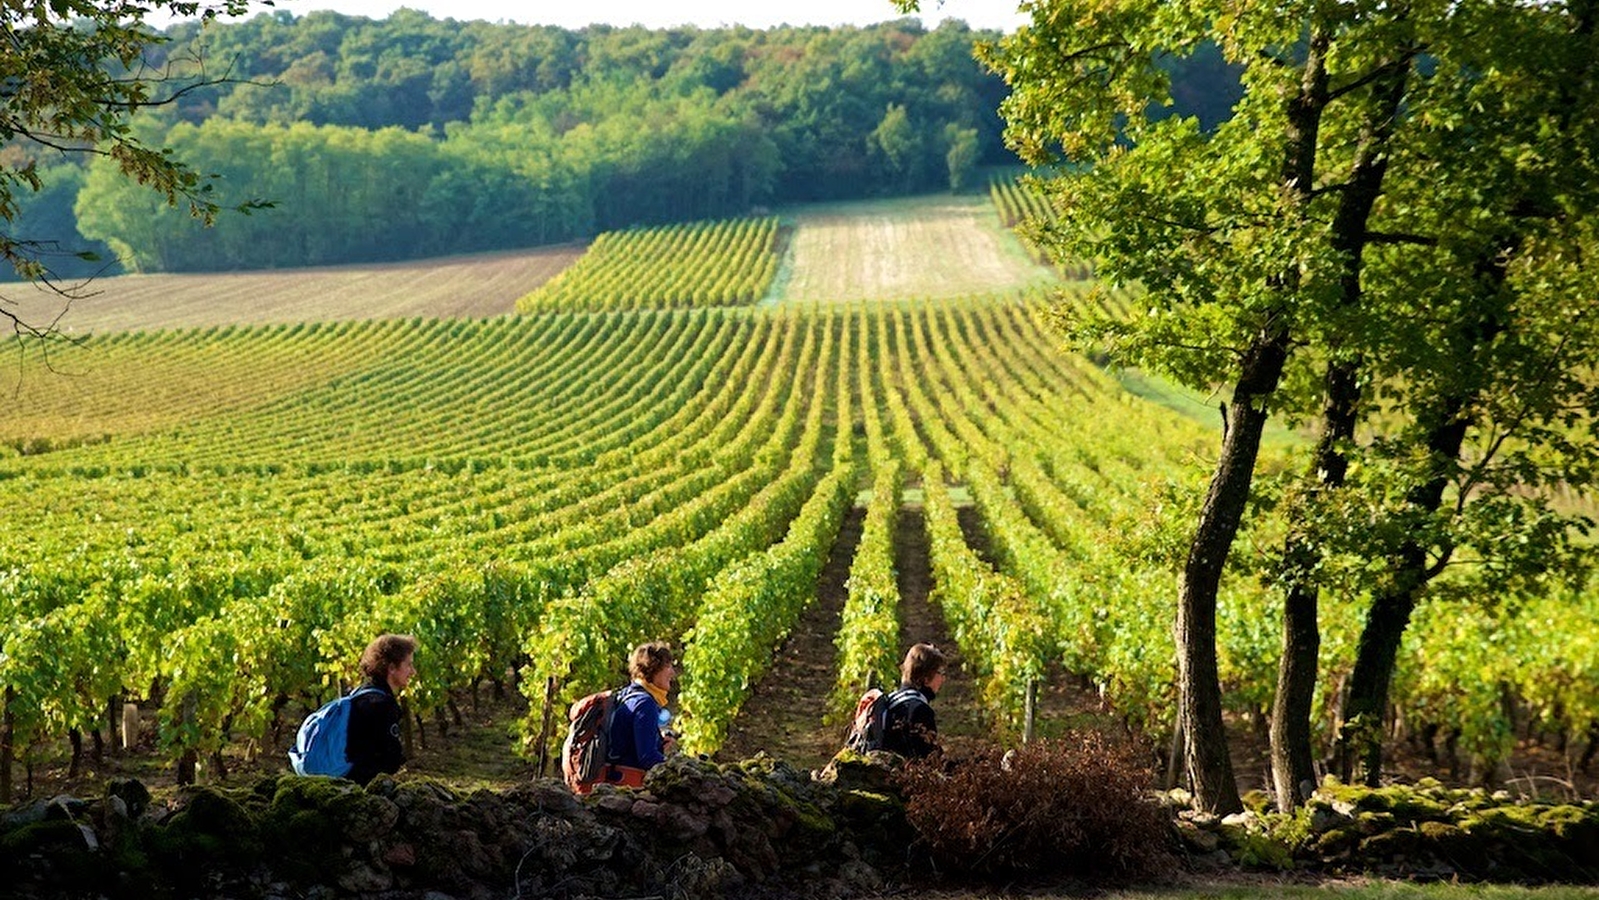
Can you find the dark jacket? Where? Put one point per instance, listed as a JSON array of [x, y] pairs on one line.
[[909, 727], [635, 738], [373, 744]]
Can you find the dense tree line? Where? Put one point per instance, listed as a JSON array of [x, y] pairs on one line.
[[387, 139]]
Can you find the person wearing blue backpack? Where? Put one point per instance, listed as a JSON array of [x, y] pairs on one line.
[[357, 736], [374, 742], [639, 737]]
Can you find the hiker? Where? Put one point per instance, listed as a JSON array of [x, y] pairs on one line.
[[639, 738], [910, 728], [374, 739]]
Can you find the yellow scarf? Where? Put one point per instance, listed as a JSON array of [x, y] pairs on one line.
[[657, 693]]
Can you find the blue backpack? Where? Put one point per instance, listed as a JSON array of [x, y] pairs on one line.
[[319, 747]]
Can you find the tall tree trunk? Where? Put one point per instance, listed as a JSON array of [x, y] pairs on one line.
[[1293, 764], [1360, 736], [1199, 713]]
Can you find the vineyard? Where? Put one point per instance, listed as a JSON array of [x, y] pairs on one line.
[[1021, 205], [726, 263], [217, 520], [908, 248]]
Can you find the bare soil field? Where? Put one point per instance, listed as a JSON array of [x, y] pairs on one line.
[[471, 286], [932, 246]]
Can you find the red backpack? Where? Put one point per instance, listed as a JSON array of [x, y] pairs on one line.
[[869, 729], [871, 718], [588, 740]]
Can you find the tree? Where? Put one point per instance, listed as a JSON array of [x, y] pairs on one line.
[[961, 156], [1384, 238], [899, 144], [72, 76]]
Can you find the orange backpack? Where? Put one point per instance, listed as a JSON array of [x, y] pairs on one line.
[[588, 739]]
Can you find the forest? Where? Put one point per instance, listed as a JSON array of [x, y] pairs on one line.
[[358, 140]]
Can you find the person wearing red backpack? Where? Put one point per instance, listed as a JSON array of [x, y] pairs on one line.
[[910, 728], [639, 738], [374, 737]]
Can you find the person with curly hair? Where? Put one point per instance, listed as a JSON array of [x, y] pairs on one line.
[[639, 738], [374, 744]]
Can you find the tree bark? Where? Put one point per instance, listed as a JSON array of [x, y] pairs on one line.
[[1198, 674], [1293, 765]]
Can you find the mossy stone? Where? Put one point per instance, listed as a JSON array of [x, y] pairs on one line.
[[211, 830], [1374, 823], [1256, 849], [1578, 829], [1337, 842], [134, 795], [1450, 843], [1392, 845], [1258, 801]]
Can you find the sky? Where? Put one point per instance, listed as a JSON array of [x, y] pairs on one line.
[[995, 14]]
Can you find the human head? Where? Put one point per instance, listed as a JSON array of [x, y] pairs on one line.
[[648, 660], [923, 663], [385, 653]]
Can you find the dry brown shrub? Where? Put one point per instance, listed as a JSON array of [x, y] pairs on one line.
[[1077, 806]]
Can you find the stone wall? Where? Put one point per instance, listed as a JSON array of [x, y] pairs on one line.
[[698, 829], [753, 829]]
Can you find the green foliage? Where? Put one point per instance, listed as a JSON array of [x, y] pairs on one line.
[[76, 73], [727, 263]]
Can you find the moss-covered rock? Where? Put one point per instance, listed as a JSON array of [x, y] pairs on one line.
[[212, 829], [1406, 803], [1256, 848]]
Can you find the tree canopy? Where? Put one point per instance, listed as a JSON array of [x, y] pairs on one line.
[[1391, 239], [73, 74]]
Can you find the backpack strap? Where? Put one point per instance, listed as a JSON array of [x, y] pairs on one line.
[[617, 696], [903, 696]]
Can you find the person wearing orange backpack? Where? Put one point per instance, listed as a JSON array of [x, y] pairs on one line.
[[639, 737]]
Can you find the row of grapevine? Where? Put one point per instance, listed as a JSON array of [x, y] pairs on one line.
[[751, 606], [1022, 205], [868, 634], [724, 263]]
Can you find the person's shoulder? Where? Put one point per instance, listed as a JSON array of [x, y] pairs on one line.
[[370, 696], [907, 695], [633, 697]]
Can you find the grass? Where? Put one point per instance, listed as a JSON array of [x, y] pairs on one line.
[[1374, 890], [938, 245], [1201, 408]]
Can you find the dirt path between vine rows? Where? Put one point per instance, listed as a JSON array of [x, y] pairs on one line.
[[959, 726], [783, 715]]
